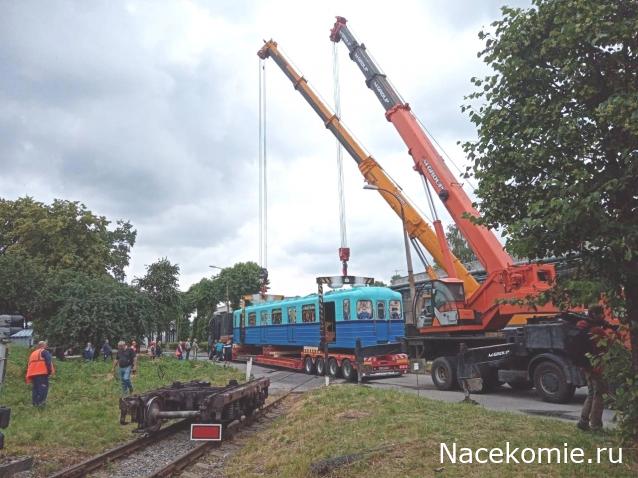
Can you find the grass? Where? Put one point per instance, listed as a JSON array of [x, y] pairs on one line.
[[348, 419], [81, 417]]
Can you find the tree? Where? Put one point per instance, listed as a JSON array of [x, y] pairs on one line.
[[458, 245], [22, 282], [65, 235], [82, 308], [557, 148], [161, 284], [237, 281]]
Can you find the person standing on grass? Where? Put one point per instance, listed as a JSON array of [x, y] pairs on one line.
[[107, 351], [591, 417], [187, 348], [158, 349], [219, 350], [39, 369], [126, 361], [179, 351], [89, 352], [195, 349]]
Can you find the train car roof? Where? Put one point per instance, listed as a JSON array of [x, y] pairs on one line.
[[356, 292]]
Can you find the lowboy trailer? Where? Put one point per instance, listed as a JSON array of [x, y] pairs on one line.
[[377, 361]]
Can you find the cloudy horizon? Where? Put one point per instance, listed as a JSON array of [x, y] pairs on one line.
[[148, 111]]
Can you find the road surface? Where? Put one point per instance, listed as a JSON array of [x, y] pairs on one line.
[[505, 399]]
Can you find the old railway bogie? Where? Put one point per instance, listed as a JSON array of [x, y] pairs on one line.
[[195, 400]]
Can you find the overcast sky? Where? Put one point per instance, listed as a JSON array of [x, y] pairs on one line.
[[148, 111]]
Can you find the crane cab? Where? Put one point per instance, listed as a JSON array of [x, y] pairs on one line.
[[447, 304]]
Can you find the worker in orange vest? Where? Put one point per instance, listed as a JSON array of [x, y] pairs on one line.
[[38, 371]]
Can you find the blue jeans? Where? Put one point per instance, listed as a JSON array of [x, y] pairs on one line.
[[125, 378], [40, 389]]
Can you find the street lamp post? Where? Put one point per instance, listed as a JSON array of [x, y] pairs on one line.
[[410, 319]]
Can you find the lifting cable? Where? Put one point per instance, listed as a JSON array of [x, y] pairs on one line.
[[263, 177], [340, 188]]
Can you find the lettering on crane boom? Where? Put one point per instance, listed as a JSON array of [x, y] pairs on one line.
[[433, 175], [361, 62], [498, 354]]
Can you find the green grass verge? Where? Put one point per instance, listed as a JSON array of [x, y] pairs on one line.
[[348, 419], [81, 417]]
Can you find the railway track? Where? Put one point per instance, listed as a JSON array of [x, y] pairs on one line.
[[147, 456]]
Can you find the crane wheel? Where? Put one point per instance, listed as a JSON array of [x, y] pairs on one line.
[[444, 373], [551, 383]]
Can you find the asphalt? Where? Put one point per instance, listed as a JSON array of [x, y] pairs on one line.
[[505, 399]]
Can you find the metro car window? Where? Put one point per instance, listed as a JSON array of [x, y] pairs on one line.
[[364, 309], [276, 316], [308, 313], [292, 315]]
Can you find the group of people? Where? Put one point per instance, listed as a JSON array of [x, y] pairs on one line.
[[155, 349], [221, 351], [40, 367], [185, 348]]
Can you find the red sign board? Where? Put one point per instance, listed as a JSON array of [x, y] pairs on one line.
[[206, 431]]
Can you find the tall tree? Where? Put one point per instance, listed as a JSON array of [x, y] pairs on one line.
[[161, 284], [458, 244], [65, 235], [82, 308], [557, 152], [234, 282]]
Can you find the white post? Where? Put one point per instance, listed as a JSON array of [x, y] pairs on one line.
[[249, 368], [327, 380]]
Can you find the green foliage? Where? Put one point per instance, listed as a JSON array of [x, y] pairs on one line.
[[458, 245], [379, 283], [557, 153], [161, 284], [22, 281], [236, 281], [80, 308], [64, 235], [82, 413], [623, 390]]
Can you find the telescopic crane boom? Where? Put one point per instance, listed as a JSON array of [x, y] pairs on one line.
[[485, 309], [372, 172]]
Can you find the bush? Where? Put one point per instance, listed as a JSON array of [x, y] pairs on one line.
[[623, 386]]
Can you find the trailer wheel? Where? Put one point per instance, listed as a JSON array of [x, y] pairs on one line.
[[320, 365], [333, 368], [551, 384], [444, 373], [308, 366], [347, 370]]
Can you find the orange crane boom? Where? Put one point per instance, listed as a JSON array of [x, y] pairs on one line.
[[507, 286], [372, 172]]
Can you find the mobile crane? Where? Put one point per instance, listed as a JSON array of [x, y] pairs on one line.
[[533, 352], [374, 174]]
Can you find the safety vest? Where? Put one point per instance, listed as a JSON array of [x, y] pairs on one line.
[[37, 365]]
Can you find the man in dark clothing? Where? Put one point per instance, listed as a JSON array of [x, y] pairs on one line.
[[126, 361], [39, 368], [591, 417], [107, 351]]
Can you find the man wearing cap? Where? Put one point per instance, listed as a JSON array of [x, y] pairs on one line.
[[126, 361], [39, 369]]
